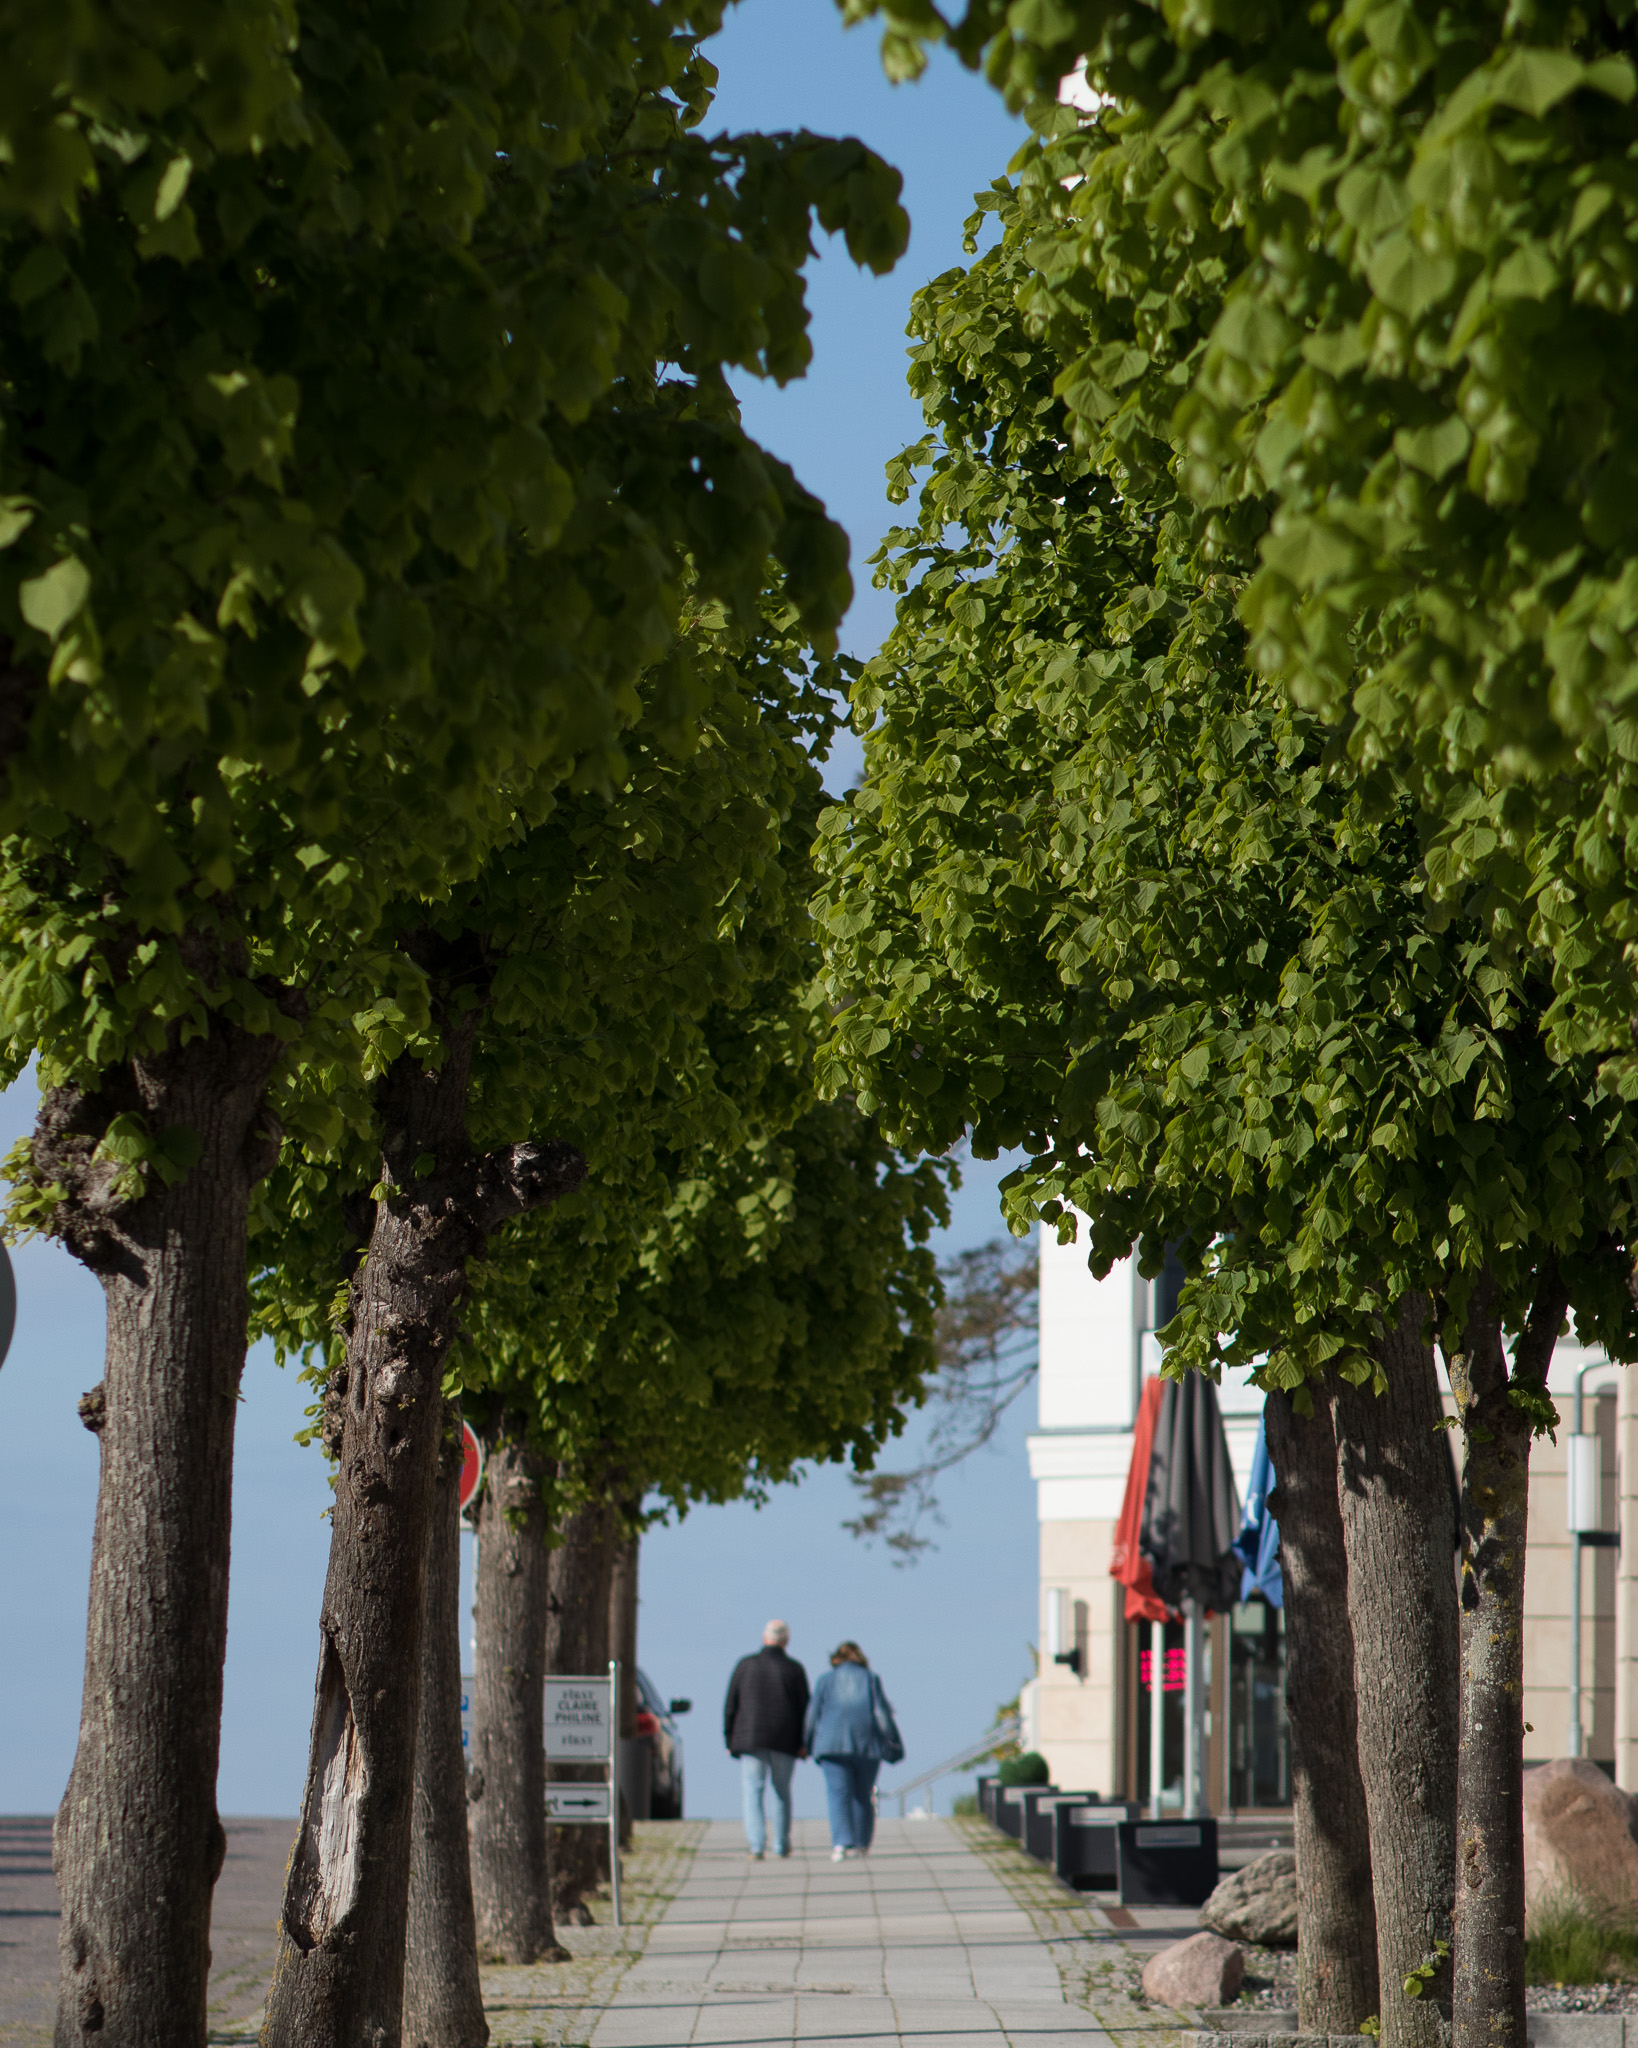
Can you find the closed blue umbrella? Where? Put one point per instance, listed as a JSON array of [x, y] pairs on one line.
[[1259, 1540]]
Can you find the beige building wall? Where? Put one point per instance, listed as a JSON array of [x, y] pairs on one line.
[[1097, 1345], [1076, 1715], [1549, 1561]]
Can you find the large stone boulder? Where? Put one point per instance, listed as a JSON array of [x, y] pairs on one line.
[[1578, 1835], [1204, 1970], [1258, 1903]]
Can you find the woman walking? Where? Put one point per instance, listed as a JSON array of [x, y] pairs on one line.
[[851, 1733]]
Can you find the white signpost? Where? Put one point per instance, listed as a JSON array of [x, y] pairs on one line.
[[579, 1720], [583, 1727]]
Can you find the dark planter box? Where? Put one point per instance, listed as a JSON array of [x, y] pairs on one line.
[[1009, 1807], [1039, 1825], [987, 1786], [1084, 1851], [1167, 1862]]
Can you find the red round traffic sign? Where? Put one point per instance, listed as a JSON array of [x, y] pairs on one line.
[[471, 1464]]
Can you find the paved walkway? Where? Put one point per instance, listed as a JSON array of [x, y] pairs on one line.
[[919, 1943], [944, 1937]]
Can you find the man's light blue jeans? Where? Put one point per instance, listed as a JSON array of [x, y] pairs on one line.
[[759, 1768]]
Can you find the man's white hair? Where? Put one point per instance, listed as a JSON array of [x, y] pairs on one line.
[[776, 1635]]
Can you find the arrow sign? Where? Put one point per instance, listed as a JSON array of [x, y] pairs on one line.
[[471, 1462], [577, 1802]]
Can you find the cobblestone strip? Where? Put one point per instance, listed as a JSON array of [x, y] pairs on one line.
[[1098, 1970], [556, 2005]]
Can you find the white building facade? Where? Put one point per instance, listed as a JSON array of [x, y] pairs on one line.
[[1087, 1710]]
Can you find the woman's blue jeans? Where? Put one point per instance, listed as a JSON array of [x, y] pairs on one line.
[[849, 1783]]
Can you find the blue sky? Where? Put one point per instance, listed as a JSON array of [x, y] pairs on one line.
[[950, 1634]]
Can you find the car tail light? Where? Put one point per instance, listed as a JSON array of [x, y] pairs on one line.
[[647, 1724]]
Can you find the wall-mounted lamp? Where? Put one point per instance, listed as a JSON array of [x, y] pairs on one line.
[[1061, 1645]]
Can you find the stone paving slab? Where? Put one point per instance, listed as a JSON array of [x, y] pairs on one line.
[[934, 1941], [919, 1945]]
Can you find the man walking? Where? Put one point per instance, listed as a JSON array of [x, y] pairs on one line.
[[762, 1725]]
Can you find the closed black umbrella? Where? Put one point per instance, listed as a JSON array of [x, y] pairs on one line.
[[1191, 1513], [1191, 1517]]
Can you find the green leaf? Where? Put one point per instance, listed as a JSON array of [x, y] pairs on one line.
[[1437, 449], [41, 271], [1309, 552], [52, 601], [1535, 80], [1529, 273], [1406, 278], [16, 516]]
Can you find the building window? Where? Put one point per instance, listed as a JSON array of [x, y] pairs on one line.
[[1259, 1742], [1247, 1748]]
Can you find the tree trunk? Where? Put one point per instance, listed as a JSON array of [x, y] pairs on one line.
[[1498, 1423], [443, 1999], [137, 1844], [1394, 1492], [623, 1648], [511, 1876], [1336, 1948], [339, 1977], [577, 1643]]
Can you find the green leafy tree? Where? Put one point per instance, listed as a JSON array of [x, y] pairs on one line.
[[777, 1312], [1108, 894], [738, 1283], [1372, 304], [571, 984], [366, 425]]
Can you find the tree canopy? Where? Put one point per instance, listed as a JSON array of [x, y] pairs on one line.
[[1121, 887], [357, 471], [1107, 893], [1367, 284], [740, 1284]]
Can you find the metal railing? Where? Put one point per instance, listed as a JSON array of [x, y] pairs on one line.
[[974, 1753]]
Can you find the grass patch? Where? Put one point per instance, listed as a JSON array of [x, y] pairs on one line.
[[1579, 1941]]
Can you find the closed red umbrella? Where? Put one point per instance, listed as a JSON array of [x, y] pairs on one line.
[[1127, 1563]]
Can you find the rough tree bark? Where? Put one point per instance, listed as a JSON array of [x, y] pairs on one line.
[[443, 1999], [1336, 1948], [1497, 1423], [623, 1643], [137, 1844], [511, 1876], [1394, 1493], [581, 1567], [338, 1979]]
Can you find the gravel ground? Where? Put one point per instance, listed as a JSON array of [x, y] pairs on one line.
[[1271, 1985]]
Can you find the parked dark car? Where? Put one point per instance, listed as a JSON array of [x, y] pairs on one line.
[[656, 1726]]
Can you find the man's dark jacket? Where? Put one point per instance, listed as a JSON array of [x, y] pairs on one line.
[[767, 1701]]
